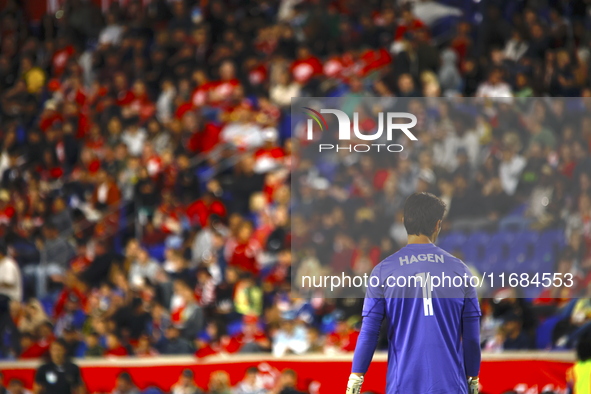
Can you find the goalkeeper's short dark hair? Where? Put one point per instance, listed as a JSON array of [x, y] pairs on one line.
[[421, 213]]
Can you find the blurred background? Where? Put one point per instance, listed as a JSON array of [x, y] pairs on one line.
[[146, 156]]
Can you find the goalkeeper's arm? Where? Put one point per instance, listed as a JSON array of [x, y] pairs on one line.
[[471, 344], [366, 344]]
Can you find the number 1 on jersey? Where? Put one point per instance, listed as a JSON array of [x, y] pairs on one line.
[[425, 280]]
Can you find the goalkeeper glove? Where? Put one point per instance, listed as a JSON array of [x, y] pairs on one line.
[[472, 385], [354, 384]]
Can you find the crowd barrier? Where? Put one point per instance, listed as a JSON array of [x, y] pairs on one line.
[[524, 372]]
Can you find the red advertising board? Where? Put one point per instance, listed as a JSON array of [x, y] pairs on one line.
[[524, 372]]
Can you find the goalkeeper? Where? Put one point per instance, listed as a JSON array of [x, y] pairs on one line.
[[433, 332]]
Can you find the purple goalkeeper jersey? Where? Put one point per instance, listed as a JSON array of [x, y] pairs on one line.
[[433, 332]]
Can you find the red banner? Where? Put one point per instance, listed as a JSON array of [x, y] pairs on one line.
[[527, 373]]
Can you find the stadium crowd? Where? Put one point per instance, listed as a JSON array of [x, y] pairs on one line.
[[146, 157]]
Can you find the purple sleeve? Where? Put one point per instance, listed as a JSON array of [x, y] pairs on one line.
[[373, 314], [471, 336]]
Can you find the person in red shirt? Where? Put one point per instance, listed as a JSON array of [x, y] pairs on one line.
[[305, 67], [123, 95], [73, 289], [37, 349], [141, 105], [60, 57], [50, 115], [114, 346], [200, 210], [270, 155], [223, 89], [30, 348], [408, 24], [251, 338], [243, 252], [200, 95], [343, 338], [81, 261], [169, 215]]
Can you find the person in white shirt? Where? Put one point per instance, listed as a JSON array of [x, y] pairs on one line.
[[112, 32], [494, 87], [250, 384], [10, 277], [512, 164], [134, 137]]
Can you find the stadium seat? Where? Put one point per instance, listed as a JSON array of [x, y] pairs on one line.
[[546, 250], [452, 241], [474, 248], [522, 250], [497, 252]]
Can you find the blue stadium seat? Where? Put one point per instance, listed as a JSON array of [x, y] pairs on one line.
[[546, 250], [496, 257], [522, 251], [474, 248], [452, 241]]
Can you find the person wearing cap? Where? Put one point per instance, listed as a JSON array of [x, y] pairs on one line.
[[59, 375], [186, 384]]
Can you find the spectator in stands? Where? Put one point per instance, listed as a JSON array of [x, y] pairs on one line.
[[494, 86], [290, 338], [114, 346], [286, 383], [186, 314], [16, 386], [71, 339], [174, 343], [143, 268], [58, 375], [124, 385], [10, 281], [343, 338], [144, 347], [515, 337], [32, 317], [56, 253], [511, 163], [219, 383], [249, 384], [186, 384], [93, 346]]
